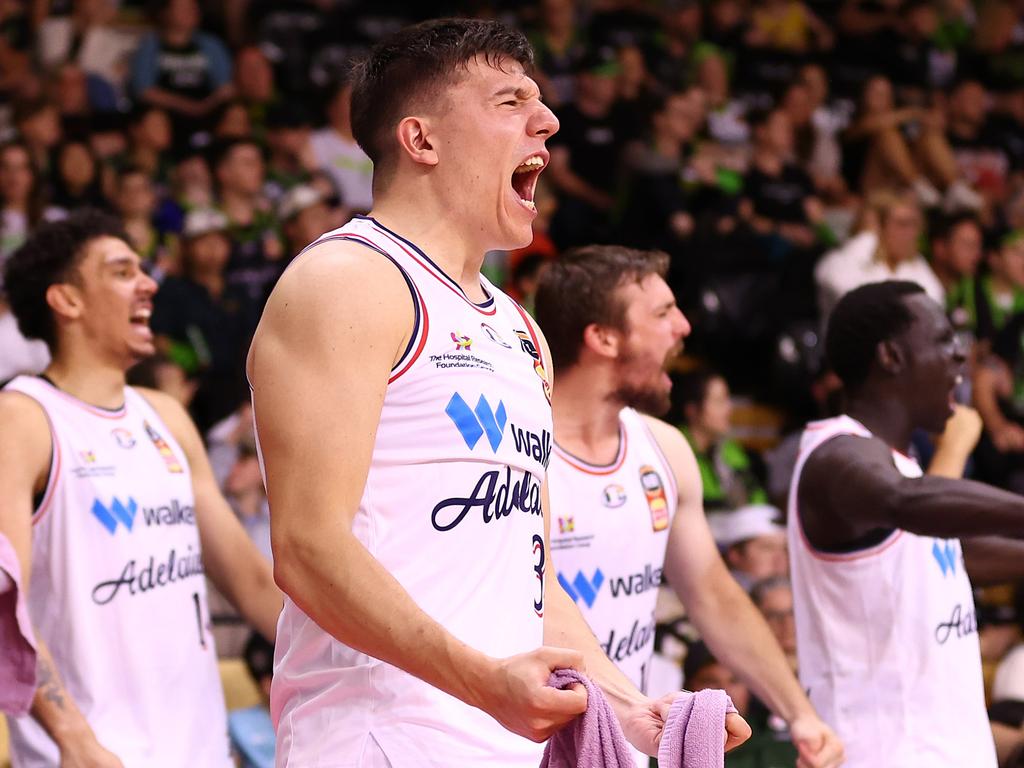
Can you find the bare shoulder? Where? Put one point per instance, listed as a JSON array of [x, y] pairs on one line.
[[670, 440], [25, 436], [172, 413]]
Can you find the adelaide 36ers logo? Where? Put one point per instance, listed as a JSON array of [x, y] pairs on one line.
[[657, 501], [530, 348]]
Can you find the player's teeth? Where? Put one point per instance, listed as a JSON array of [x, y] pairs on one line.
[[529, 204]]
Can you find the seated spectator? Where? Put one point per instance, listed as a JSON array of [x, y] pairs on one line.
[[292, 159], [886, 249], [727, 126], [150, 137], [979, 149], [21, 197], [232, 122], [753, 542], [774, 598], [254, 86], [243, 488], [199, 318], [38, 126], [998, 384], [304, 216], [585, 153], [769, 743], [703, 406], [257, 253], [135, 202], [815, 148], [672, 47], [181, 69], [888, 147], [558, 46], [336, 151], [956, 245], [190, 186], [787, 25], [78, 182]]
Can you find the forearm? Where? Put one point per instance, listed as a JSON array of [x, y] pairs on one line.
[[334, 579], [53, 707], [256, 596], [993, 560], [565, 627], [158, 97], [739, 637], [950, 508]]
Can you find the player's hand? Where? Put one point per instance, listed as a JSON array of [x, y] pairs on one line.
[[817, 744], [963, 429], [87, 753], [644, 723], [520, 698]]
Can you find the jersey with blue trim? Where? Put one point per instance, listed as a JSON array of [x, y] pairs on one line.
[[117, 590], [451, 508], [609, 533], [887, 639]]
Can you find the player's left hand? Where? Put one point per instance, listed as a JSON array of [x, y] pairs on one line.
[[643, 725], [817, 744]]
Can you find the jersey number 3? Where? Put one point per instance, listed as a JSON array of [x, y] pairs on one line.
[[538, 568]]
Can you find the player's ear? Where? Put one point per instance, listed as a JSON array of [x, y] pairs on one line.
[[890, 356], [415, 140], [64, 299], [601, 339]]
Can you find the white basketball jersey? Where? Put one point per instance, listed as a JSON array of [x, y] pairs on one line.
[[117, 590], [887, 639], [452, 510], [609, 530]]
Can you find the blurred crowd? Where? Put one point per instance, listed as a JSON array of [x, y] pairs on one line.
[[781, 152]]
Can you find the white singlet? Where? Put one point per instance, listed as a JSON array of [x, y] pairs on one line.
[[887, 639], [609, 530], [117, 591], [452, 510]]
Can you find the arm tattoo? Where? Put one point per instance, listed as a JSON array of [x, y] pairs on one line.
[[49, 682]]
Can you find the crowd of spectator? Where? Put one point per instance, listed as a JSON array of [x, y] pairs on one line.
[[782, 152]]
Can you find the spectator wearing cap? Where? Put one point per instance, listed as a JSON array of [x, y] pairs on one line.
[[200, 318], [337, 152], [769, 745], [257, 253], [586, 151], [304, 215], [182, 70], [753, 542], [703, 405]]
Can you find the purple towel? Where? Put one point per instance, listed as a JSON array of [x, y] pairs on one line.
[[18, 660], [694, 735]]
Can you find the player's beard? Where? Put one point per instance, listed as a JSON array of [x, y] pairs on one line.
[[650, 398]]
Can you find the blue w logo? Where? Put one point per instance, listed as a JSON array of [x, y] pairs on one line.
[[945, 555], [116, 512], [582, 588], [474, 424]]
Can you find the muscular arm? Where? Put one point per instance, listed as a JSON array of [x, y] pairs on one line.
[[25, 447], [230, 559], [730, 624], [850, 487], [993, 560], [334, 327]]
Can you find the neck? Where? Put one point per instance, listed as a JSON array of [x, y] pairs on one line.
[[586, 414], [90, 380], [668, 147], [239, 207], [422, 214], [702, 439], [884, 415], [177, 37]]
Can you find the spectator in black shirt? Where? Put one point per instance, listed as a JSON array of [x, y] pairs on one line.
[[981, 155], [585, 153], [199, 318], [183, 70]]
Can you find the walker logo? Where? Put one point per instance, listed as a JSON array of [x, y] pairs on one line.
[[531, 444], [582, 588], [482, 420], [462, 342], [118, 511], [945, 556]]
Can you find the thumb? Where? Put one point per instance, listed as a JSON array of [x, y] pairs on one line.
[[562, 658]]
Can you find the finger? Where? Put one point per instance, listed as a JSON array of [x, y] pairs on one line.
[[810, 749], [737, 731], [562, 658], [569, 702]]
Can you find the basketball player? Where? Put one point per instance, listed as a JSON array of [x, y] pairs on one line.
[[880, 555], [402, 406], [108, 498], [625, 490]]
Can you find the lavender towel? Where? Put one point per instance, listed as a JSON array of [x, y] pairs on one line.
[[18, 660], [694, 732]]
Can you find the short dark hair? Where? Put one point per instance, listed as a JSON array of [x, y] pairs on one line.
[[413, 65], [222, 148], [863, 318], [690, 388], [50, 256], [943, 227], [579, 289]]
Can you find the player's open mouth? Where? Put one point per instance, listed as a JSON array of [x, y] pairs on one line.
[[524, 180], [141, 316]]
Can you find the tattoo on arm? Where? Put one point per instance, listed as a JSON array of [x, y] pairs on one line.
[[49, 684]]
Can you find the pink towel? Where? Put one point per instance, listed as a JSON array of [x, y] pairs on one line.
[[18, 660], [694, 735]]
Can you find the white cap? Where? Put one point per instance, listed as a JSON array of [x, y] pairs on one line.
[[203, 221], [297, 199], [745, 523]]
